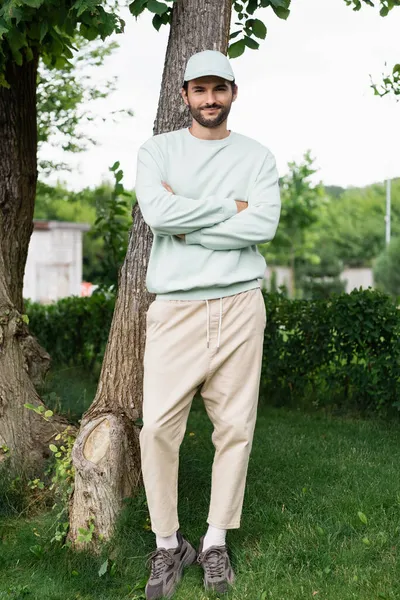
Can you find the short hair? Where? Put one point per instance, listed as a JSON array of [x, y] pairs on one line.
[[186, 85]]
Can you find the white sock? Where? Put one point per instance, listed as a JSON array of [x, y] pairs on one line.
[[214, 537], [167, 542]]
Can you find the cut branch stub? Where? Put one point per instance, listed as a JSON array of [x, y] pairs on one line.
[[106, 472]]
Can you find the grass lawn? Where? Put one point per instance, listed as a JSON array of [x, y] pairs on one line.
[[302, 536]]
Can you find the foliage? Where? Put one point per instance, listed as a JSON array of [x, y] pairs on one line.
[[352, 227], [385, 5], [391, 83], [63, 96], [249, 28], [386, 269], [73, 330], [344, 351], [48, 28], [112, 226], [320, 280], [59, 483], [302, 201], [60, 204]]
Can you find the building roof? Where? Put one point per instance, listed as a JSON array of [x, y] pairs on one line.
[[41, 225]]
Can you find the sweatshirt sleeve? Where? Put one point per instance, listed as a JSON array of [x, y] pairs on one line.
[[257, 224], [171, 214]]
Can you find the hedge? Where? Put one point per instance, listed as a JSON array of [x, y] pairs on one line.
[[342, 351], [73, 330]]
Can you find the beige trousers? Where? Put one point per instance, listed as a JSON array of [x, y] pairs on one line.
[[182, 355]]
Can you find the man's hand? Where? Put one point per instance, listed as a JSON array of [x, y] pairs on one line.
[[169, 189], [241, 205]]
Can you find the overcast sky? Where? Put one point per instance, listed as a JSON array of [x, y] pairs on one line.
[[307, 87]]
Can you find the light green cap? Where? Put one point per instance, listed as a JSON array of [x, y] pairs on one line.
[[208, 62]]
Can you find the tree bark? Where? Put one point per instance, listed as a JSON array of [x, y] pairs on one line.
[[100, 485], [22, 361]]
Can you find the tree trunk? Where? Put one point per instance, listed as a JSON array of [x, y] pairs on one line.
[[107, 466], [22, 361]]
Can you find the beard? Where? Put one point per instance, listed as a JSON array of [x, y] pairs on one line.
[[216, 121]]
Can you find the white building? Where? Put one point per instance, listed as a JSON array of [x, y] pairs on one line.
[[54, 264], [353, 278]]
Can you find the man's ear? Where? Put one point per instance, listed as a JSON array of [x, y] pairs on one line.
[[235, 93], [184, 96]]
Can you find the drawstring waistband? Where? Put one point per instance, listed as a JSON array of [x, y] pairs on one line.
[[219, 324]]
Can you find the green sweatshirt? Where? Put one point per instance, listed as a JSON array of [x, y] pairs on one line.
[[219, 256]]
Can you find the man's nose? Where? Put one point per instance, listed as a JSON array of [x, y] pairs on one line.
[[210, 98]]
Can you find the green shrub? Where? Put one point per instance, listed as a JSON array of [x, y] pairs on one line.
[[73, 330], [344, 351]]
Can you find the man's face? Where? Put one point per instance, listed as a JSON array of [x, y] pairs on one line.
[[209, 100]]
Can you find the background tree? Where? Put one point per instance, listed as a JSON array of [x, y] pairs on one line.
[[63, 94], [295, 240], [103, 252], [352, 226], [28, 29], [386, 269]]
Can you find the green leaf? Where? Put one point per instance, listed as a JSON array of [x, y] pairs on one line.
[[48, 414], [366, 541], [3, 28], [16, 39], [279, 3], [252, 6], [259, 29], [362, 518], [250, 43], [30, 406], [236, 49], [104, 568], [25, 318], [89, 33], [137, 7], [282, 13], [234, 35], [157, 7], [396, 69], [115, 166], [44, 27], [53, 448], [384, 11]]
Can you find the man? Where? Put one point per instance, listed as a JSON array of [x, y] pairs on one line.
[[209, 195]]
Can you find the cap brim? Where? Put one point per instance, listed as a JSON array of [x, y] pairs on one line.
[[209, 72]]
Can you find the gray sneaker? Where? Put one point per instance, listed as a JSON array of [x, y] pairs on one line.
[[166, 568], [218, 572]]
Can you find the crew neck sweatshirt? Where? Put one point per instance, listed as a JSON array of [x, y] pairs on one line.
[[219, 255]]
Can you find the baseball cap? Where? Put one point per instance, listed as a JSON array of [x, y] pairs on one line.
[[208, 62]]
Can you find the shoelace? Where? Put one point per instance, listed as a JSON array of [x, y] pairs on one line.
[[213, 562], [159, 560]]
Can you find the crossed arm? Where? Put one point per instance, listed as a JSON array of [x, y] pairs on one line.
[[213, 222]]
